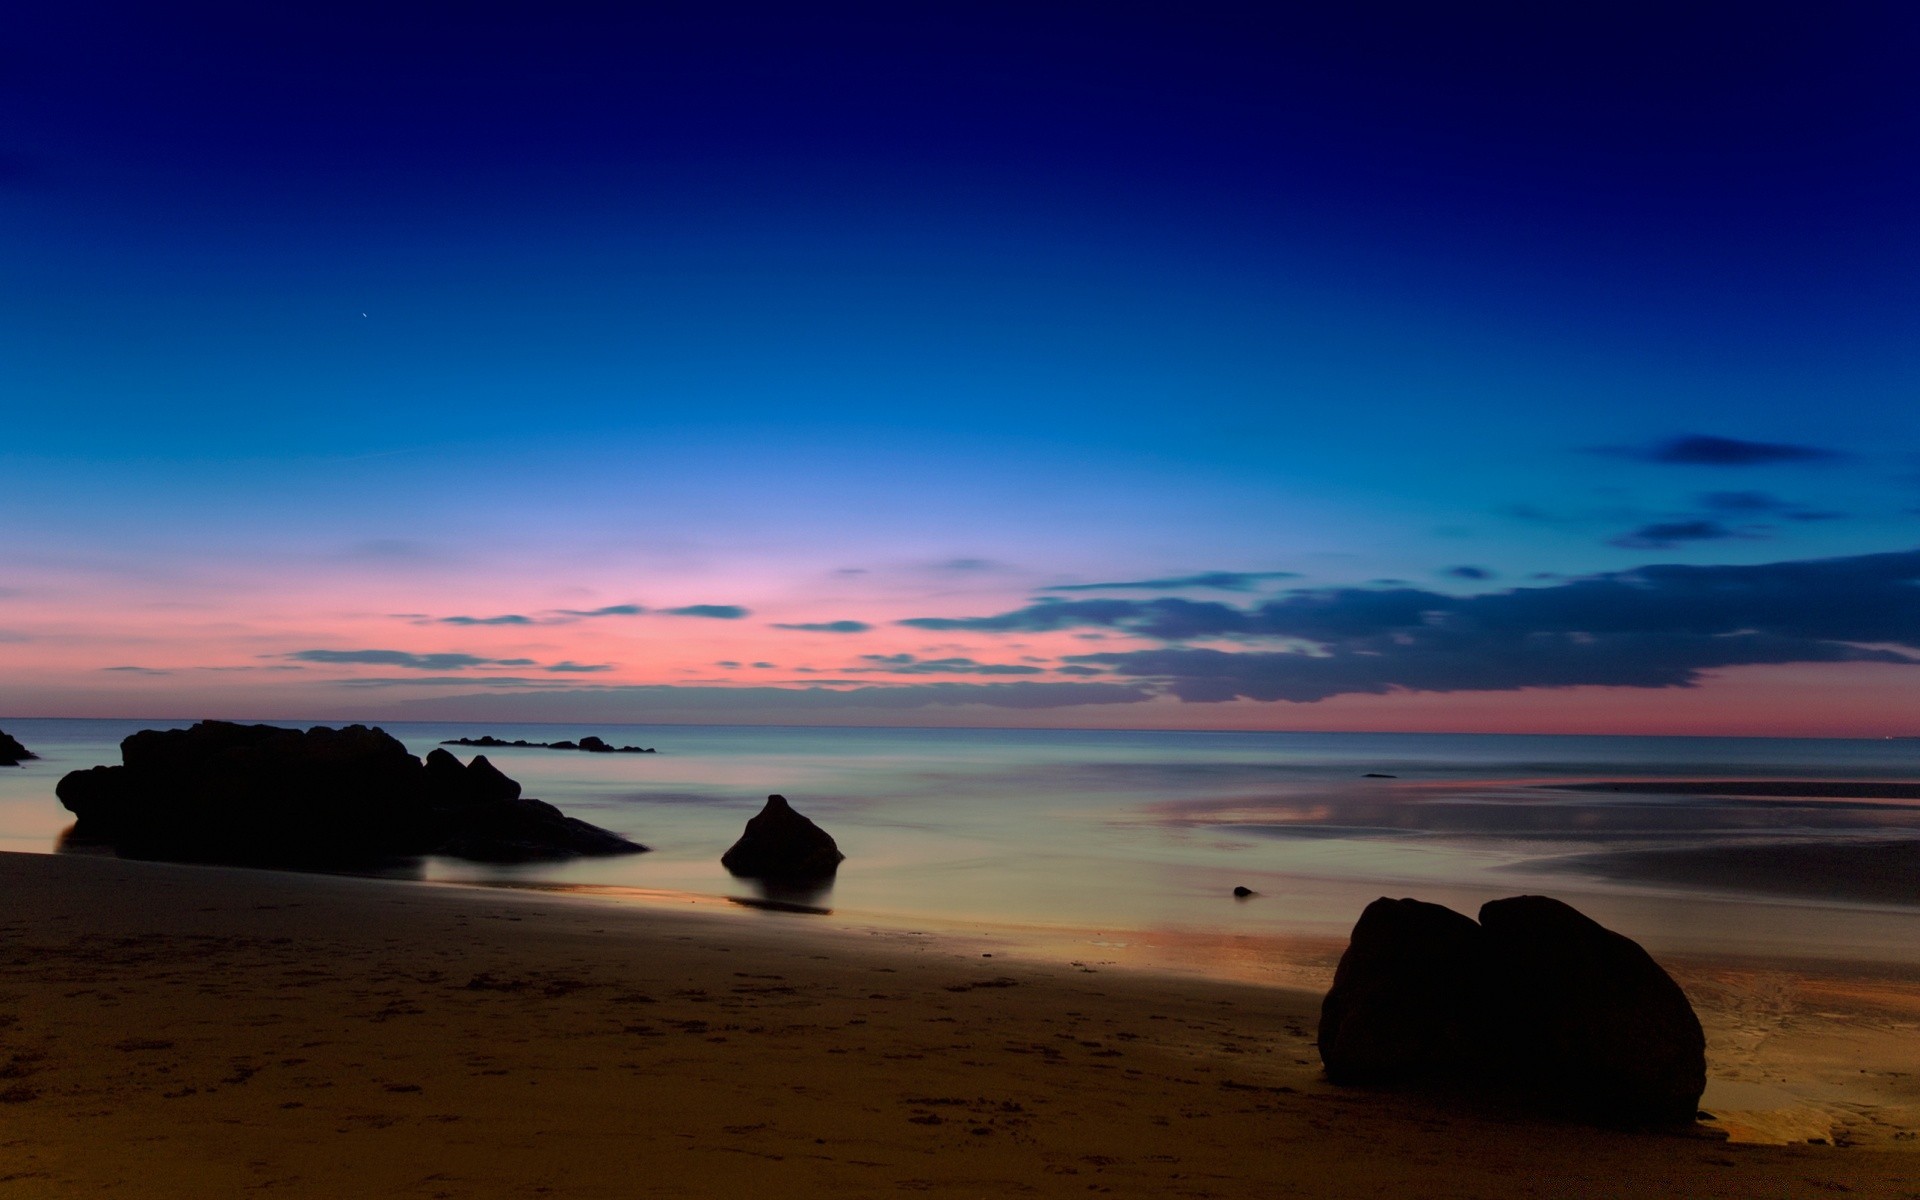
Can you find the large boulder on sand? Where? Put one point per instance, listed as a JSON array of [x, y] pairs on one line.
[[779, 843], [1405, 997], [1535, 1000], [12, 753], [221, 792], [1584, 1010]]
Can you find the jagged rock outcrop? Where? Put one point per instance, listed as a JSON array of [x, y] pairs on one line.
[[1535, 1000], [221, 792], [781, 844], [12, 753]]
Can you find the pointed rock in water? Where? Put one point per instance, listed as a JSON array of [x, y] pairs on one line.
[[259, 794], [12, 753], [779, 843], [1535, 999]]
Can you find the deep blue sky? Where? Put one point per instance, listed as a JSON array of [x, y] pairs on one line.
[[738, 297]]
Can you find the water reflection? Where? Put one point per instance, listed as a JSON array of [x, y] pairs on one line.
[[72, 841], [789, 895]]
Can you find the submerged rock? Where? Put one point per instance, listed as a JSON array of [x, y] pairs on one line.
[[1535, 1000], [12, 753], [221, 792], [779, 843]]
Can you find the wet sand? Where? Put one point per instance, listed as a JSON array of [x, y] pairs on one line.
[[181, 1031], [1876, 872]]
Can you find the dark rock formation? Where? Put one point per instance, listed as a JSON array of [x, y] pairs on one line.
[[779, 843], [260, 794], [12, 753], [1243, 892], [589, 743], [1536, 1001], [1585, 1009], [1405, 997]]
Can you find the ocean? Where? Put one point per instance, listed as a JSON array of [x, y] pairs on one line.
[[1118, 838]]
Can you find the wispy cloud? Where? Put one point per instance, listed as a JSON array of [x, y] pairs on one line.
[[1764, 504], [504, 619], [1664, 535], [827, 626], [611, 610], [406, 659], [1707, 450], [718, 612], [1224, 581], [907, 664], [505, 682], [1168, 617], [636, 703]]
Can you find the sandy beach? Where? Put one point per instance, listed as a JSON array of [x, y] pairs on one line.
[[176, 1031]]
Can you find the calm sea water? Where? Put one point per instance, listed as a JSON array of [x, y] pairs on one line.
[[1139, 833]]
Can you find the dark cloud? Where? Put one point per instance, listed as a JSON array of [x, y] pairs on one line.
[[1439, 662], [403, 658], [1168, 617], [611, 610], [827, 626], [967, 564], [907, 664], [1467, 573], [504, 619], [138, 670], [574, 668], [719, 612], [1656, 626], [1663, 535], [1224, 581], [1705, 450]]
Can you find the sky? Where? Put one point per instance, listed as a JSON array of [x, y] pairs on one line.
[[1534, 368]]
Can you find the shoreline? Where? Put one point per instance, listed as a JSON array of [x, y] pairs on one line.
[[173, 1030]]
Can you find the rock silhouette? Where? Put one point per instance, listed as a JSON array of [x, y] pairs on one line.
[[1536, 1000], [1405, 997], [12, 753], [1586, 1009], [589, 743], [779, 843], [260, 794]]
